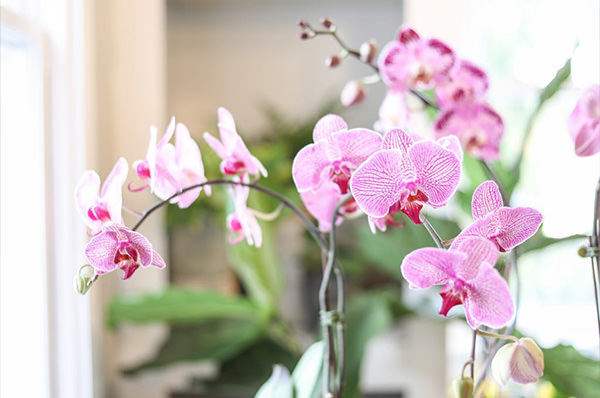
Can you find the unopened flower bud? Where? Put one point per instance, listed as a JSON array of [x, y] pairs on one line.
[[352, 94], [327, 22], [333, 61], [367, 51], [306, 35], [303, 24], [82, 278], [523, 362], [462, 388]]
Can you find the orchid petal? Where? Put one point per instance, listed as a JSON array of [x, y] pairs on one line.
[[101, 250], [516, 225], [216, 145], [140, 243], [321, 203], [486, 199], [487, 300], [451, 143], [328, 125], [407, 35], [479, 251], [227, 129], [587, 142], [479, 228], [86, 194], [310, 167], [426, 267], [357, 145], [111, 189], [393, 112], [397, 139], [168, 133], [438, 171]]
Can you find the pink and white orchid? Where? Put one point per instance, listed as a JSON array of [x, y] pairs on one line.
[[169, 168], [237, 159], [584, 122], [404, 175], [468, 277], [466, 83], [478, 127], [242, 222], [98, 207], [321, 170], [413, 62], [393, 112], [506, 227], [119, 247]]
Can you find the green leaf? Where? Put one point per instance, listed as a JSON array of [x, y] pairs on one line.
[[571, 373], [180, 306], [279, 384], [307, 375], [540, 241]]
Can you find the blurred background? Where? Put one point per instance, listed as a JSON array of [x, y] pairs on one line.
[[82, 81]]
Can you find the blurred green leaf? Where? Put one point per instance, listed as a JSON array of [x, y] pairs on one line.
[[540, 241], [387, 249], [180, 306], [307, 375], [571, 373]]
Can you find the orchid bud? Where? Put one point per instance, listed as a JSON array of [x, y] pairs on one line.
[[367, 51], [352, 94], [327, 23], [462, 387], [306, 35], [82, 278], [303, 24], [333, 61], [522, 361]]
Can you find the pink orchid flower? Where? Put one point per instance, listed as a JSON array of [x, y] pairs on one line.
[[321, 170], [584, 122], [96, 207], [413, 62], [506, 227], [237, 159], [404, 175], [169, 168], [478, 127], [468, 277], [393, 112], [119, 247], [466, 82], [242, 222]]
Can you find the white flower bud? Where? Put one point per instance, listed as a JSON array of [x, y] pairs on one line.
[[523, 362], [367, 51], [352, 94]]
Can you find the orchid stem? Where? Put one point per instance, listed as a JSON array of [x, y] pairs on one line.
[[492, 174], [594, 241], [434, 235], [495, 335], [473, 346]]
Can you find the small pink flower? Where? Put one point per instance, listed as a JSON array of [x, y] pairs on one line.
[[468, 277], [321, 171], [404, 175], [119, 247], [466, 83], [169, 168], [237, 159], [412, 62], [506, 227], [242, 222], [96, 207], [478, 127], [584, 122], [393, 112]]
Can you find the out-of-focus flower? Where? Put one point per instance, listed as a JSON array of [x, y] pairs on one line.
[[237, 159], [468, 277], [98, 207], [466, 83], [522, 362], [393, 112], [119, 247], [584, 122], [478, 127], [413, 62], [242, 222], [506, 227], [353, 93], [405, 175], [169, 168], [321, 170]]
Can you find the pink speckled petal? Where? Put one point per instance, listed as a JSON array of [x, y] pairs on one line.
[[141, 244], [516, 225], [101, 250], [321, 203], [397, 139], [487, 300], [438, 171], [486, 199], [328, 125], [157, 260], [310, 167], [407, 35], [357, 145], [426, 267], [479, 251], [377, 183], [480, 228], [451, 143]]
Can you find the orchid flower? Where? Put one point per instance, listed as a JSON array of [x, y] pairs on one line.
[[584, 122], [413, 62], [236, 158], [468, 277], [321, 170], [404, 175], [169, 168], [393, 112], [242, 222], [119, 247], [478, 127], [466, 82], [98, 207], [506, 227]]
